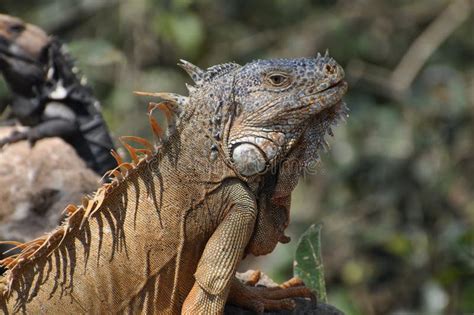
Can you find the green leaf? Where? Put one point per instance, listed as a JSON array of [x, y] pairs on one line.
[[308, 264]]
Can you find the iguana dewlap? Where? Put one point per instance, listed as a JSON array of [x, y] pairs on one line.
[[167, 233]]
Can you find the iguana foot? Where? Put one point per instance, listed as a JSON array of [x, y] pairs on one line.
[[261, 298], [14, 137]]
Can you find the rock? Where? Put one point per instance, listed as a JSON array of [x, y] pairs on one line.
[[36, 183]]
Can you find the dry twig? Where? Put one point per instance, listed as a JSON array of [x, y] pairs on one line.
[[400, 79]]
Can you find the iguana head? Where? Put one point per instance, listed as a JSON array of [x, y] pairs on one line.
[[261, 111], [22, 47]]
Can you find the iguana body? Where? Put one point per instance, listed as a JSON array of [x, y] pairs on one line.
[[49, 95], [168, 232]]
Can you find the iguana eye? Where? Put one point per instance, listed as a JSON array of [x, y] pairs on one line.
[[278, 80], [16, 28]]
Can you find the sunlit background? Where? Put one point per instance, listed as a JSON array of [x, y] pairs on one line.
[[396, 191]]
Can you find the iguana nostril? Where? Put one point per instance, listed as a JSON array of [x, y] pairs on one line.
[[330, 69]]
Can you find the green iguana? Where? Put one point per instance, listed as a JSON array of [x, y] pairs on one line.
[[50, 96], [167, 233]]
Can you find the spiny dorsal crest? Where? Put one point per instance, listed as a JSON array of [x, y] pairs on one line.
[[63, 74], [200, 76]]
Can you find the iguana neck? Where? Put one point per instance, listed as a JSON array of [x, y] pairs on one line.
[[200, 154]]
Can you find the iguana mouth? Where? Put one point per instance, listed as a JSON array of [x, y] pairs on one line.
[[327, 97], [7, 51], [339, 84]]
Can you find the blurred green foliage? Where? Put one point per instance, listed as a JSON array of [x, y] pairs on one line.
[[396, 190]]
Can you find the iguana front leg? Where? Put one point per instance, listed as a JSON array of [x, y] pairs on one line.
[[57, 121], [51, 128], [223, 252]]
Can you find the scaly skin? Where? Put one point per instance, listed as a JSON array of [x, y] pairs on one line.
[[167, 234]]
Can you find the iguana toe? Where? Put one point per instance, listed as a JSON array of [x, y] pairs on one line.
[[293, 282], [253, 278]]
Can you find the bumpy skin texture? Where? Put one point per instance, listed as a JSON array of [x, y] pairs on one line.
[[48, 94], [168, 232]]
